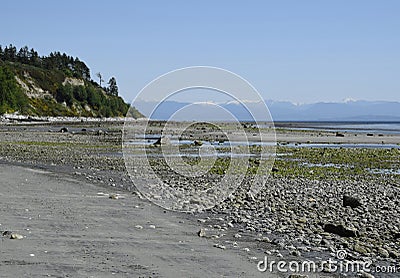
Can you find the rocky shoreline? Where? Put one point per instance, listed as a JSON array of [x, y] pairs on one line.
[[291, 218]]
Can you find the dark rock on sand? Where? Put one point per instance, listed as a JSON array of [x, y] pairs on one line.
[[352, 202], [64, 130], [197, 143], [6, 233], [274, 170], [161, 141], [339, 230], [11, 235], [202, 233]]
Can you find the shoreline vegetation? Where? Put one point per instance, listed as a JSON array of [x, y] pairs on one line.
[[55, 85], [316, 200]]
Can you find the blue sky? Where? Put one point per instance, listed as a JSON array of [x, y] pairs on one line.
[[300, 51]]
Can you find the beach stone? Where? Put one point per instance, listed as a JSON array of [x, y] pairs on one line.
[[349, 201], [220, 246], [364, 274], [201, 233], [325, 242], [297, 276], [302, 220], [339, 230], [197, 143], [275, 170], [295, 253], [383, 252], [16, 236], [64, 130], [264, 239], [394, 254], [6, 233], [113, 196], [162, 141], [360, 249]]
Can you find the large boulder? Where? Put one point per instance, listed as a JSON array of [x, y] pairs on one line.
[[340, 230], [349, 201]]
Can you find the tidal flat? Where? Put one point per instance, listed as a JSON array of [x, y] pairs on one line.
[[319, 197]]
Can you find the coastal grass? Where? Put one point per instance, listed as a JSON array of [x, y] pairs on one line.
[[337, 163], [290, 161]]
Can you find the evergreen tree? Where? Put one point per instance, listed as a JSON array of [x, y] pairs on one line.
[[112, 87], [23, 55], [34, 58]]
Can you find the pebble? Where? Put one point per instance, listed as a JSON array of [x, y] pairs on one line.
[[113, 196], [201, 233], [264, 239], [220, 246], [383, 253], [295, 253], [364, 274], [360, 249], [16, 236]]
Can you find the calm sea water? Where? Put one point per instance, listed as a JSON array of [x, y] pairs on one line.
[[366, 127]]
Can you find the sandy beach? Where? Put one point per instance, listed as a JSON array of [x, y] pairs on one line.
[[72, 228]]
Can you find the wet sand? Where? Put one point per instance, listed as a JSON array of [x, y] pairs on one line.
[[70, 230]]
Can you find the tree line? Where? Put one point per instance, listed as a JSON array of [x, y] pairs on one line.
[[89, 94], [70, 66], [49, 73]]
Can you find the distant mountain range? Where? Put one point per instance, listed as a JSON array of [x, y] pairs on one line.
[[280, 111]]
